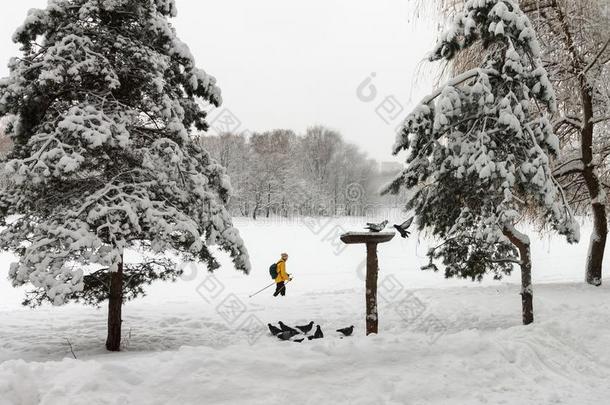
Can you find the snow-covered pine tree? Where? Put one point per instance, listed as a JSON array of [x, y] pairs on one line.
[[103, 99], [575, 52], [478, 150]]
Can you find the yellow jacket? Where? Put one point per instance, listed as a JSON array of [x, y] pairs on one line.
[[281, 272]]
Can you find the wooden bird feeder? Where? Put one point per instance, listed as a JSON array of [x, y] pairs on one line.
[[371, 239]]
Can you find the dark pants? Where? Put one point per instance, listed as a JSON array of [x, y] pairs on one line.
[[280, 289]]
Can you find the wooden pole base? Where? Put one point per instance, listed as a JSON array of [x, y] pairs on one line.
[[372, 270]]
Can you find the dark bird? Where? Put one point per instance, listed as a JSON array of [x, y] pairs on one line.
[[346, 331], [298, 340], [318, 333], [287, 335], [402, 228], [286, 328], [305, 328], [273, 329], [376, 227]]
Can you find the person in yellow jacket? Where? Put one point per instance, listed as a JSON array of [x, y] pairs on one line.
[[282, 276]]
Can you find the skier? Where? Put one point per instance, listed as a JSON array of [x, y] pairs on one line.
[[282, 276]]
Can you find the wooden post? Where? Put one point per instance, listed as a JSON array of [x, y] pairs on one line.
[[372, 269], [115, 304]]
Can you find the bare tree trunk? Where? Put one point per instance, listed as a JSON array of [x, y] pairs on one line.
[[115, 304], [521, 241], [372, 269], [597, 244], [268, 199], [254, 211], [335, 198]]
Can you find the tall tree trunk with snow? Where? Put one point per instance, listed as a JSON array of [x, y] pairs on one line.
[[597, 243], [581, 70], [115, 306], [522, 242]]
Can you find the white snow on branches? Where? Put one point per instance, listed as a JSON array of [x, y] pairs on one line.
[[484, 131], [103, 156]]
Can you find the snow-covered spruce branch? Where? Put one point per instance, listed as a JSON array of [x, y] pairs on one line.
[[109, 187], [461, 78], [513, 260], [103, 155]]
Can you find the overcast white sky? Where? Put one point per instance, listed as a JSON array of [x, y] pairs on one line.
[[289, 64]]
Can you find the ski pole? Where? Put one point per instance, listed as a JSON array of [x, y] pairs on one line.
[[261, 290]]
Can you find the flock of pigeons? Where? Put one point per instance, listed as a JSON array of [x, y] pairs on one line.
[[285, 332], [402, 228]]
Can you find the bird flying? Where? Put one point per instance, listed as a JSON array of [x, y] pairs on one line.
[[402, 228]]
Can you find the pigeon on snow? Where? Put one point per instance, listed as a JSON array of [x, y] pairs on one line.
[[273, 329], [346, 331], [305, 328], [318, 334], [286, 328], [287, 335], [376, 227], [402, 228]]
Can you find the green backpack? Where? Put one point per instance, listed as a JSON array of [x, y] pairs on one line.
[[273, 271]]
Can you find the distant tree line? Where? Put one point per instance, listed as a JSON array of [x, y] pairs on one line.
[[281, 173]]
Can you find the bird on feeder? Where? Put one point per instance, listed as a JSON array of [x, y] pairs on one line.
[[376, 227]]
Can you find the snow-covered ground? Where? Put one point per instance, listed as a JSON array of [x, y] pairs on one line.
[[203, 341]]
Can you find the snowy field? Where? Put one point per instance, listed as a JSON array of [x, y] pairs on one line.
[[440, 342]]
